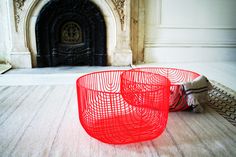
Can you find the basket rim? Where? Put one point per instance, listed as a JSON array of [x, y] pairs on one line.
[[166, 68], [168, 83], [163, 77], [169, 68]]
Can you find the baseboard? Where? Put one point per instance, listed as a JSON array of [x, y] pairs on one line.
[[188, 54]]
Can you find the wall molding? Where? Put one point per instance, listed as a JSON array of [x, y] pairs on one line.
[[160, 11], [188, 54], [18, 8], [192, 44], [193, 27], [120, 7]]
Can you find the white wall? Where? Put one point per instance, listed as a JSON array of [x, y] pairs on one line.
[[190, 30], [4, 37]]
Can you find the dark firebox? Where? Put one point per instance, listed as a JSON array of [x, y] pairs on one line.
[[70, 32]]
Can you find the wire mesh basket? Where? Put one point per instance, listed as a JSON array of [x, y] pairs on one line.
[[145, 89], [109, 117], [177, 101]]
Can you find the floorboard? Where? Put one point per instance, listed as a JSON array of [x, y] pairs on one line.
[[12, 130], [43, 121]]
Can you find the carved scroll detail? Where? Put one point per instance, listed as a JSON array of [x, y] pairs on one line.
[[120, 6], [18, 7]]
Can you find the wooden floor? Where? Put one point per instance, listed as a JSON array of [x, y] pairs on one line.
[[43, 121]]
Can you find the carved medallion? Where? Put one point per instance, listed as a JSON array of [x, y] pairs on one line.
[[71, 33]]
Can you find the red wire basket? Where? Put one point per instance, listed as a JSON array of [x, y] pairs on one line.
[[177, 101], [146, 90], [107, 116]]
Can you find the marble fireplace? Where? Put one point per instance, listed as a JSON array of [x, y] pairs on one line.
[[71, 32]]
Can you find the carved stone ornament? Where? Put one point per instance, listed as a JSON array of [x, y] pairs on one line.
[[18, 6], [120, 6]]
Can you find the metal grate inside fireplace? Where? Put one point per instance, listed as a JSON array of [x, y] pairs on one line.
[[71, 32]]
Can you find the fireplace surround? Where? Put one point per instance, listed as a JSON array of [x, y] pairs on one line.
[[108, 42]]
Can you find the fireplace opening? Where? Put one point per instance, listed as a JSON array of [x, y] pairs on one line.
[[71, 32]]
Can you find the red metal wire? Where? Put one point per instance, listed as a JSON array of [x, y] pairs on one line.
[[121, 107], [176, 77]]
